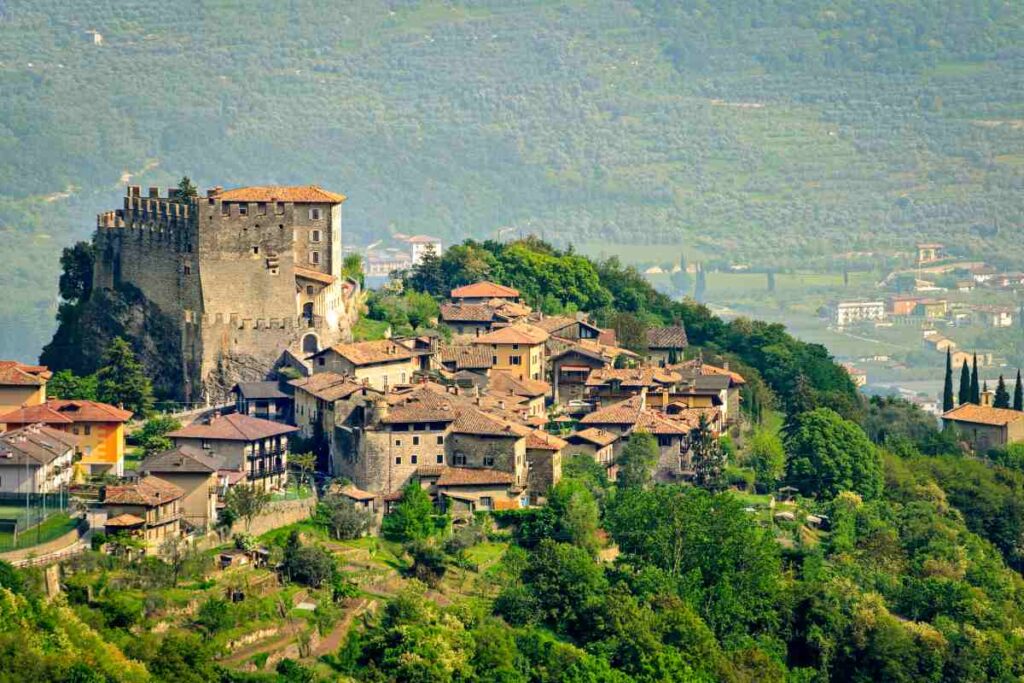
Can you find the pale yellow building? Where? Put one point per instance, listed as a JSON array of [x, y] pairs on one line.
[[517, 349]]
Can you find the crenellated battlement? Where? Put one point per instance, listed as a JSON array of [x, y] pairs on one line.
[[235, 321]]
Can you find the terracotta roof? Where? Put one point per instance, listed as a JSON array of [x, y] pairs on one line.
[[696, 367], [646, 376], [149, 491], [356, 493], [509, 310], [666, 337], [124, 520], [430, 470], [314, 275], [330, 386], [514, 334], [554, 323], [484, 289], [467, 476], [61, 411], [371, 352], [599, 437], [464, 356], [298, 194], [420, 405], [181, 459], [503, 382], [13, 373], [986, 415], [634, 413], [232, 427], [473, 421], [34, 445], [466, 313], [540, 440]]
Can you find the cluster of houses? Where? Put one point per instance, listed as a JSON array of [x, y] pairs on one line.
[[482, 420]]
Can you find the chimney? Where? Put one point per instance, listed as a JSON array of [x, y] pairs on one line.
[[988, 398]]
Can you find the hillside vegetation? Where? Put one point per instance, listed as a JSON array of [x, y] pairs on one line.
[[768, 131]]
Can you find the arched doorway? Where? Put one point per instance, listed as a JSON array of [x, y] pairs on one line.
[[310, 344]]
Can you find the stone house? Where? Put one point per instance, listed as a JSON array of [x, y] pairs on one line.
[[97, 427], [462, 491], [467, 321], [532, 391], [323, 402], [35, 459], [197, 473], [674, 436], [149, 509], [606, 386], [517, 349], [484, 292], [21, 385], [985, 427], [666, 344], [698, 368], [381, 363], [267, 400], [253, 449], [364, 500], [596, 443], [467, 364], [544, 453], [572, 328]]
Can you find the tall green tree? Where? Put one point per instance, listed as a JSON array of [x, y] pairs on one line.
[[76, 263], [122, 380], [412, 517], [975, 386], [1018, 393], [964, 395], [577, 514], [638, 460], [708, 457], [187, 189], [247, 502], [828, 454], [701, 286], [766, 455], [66, 384], [1002, 397], [947, 387]]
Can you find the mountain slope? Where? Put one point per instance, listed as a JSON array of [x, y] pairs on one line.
[[778, 130]]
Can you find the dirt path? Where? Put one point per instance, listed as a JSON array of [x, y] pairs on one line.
[[334, 638]]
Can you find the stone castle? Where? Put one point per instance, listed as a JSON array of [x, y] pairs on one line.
[[250, 278]]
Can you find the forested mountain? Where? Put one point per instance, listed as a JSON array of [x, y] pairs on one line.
[[771, 130]]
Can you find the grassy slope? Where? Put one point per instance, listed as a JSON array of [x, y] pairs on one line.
[[581, 120]]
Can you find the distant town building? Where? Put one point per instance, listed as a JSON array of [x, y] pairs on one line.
[[984, 426], [930, 253], [421, 245], [994, 316], [843, 313], [35, 459]]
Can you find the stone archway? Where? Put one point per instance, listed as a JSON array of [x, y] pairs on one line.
[[310, 343]]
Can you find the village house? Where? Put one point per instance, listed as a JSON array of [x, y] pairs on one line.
[[468, 320], [517, 349], [606, 386], [573, 361], [994, 316], [598, 444], [697, 368], [381, 363], [467, 364], [571, 328], [148, 510], [533, 391], [544, 454], [250, 449], [362, 500], [35, 459], [933, 341], [665, 345], [323, 403], [984, 426], [421, 245], [985, 358], [21, 385], [267, 400], [461, 491], [843, 313], [930, 253], [197, 473], [484, 292], [99, 429]]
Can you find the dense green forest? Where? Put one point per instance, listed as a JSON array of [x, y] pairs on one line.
[[771, 131]]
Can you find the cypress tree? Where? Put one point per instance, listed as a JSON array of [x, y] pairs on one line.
[[1018, 394], [947, 388], [965, 384], [1002, 398], [975, 387]]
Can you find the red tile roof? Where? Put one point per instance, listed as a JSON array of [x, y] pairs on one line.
[[466, 313], [986, 415], [124, 520], [301, 194], [63, 411], [34, 445], [540, 440], [505, 383], [371, 352], [150, 491], [356, 493], [468, 476], [598, 437], [514, 334], [480, 290], [464, 356], [634, 414], [13, 373], [666, 337], [330, 386], [232, 427]]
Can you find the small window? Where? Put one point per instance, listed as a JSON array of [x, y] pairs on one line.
[[488, 461], [279, 208], [314, 257], [415, 441], [255, 249], [515, 347], [398, 442], [415, 459], [320, 361], [440, 458], [314, 236], [314, 214], [186, 269], [515, 360], [460, 458], [440, 440], [398, 460], [664, 440], [261, 208], [74, 429], [243, 209], [88, 429], [486, 502], [225, 209], [206, 444], [494, 360], [309, 290]]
